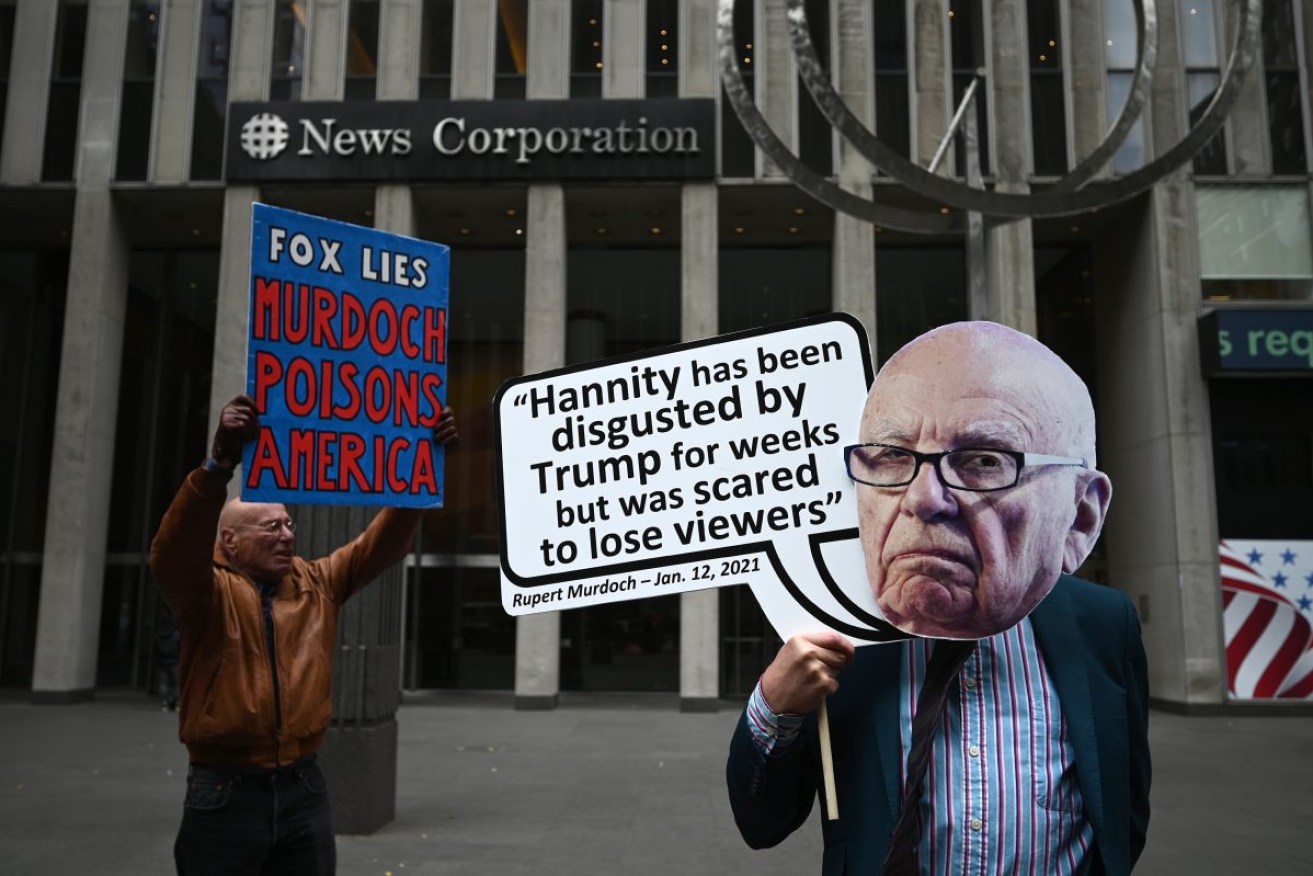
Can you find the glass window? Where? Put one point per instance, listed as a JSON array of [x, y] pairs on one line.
[[65, 91], [1285, 99], [32, 292], [968, 51], [435, 50], [1119, 34], [764, 285], [737, 152], [362, 50], [1198, 33], [1131, 154], [512, 52], [1263, 464], [1254, 242], [1202, 77], [623, 298], [163, 412], [1119, 53], [211, 90], [6, 55], [457, 635], [288, 50], [892, 107], [662, 48], [774, 262], [138, 90], [586, 48], [1048, 117], [916, 289]]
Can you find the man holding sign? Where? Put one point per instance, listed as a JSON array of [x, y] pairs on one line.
[[258, 625], [1024, 751]]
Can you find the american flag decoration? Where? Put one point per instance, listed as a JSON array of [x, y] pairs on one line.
[[1267, 599]]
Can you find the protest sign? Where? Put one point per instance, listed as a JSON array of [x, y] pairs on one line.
[[702, 465], [346, 362]]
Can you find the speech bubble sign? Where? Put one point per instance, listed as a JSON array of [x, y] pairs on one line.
[[707, 464], [346, 362]]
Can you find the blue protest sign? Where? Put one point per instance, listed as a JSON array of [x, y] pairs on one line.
[[347, 363]]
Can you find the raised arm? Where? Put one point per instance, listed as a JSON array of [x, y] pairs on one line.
[[182, 550], [387, 539]]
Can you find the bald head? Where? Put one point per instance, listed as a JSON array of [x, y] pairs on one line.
[[960, 563], [258, 539], [1006, 364]]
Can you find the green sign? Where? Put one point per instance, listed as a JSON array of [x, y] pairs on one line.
[[1257, 342]]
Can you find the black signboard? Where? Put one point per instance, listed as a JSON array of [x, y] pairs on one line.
[[471, 140], [1257, 341]]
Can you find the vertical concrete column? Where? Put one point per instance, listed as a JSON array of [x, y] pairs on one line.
[[538, 636], [82, 458], [776, 79], [360, 749], [932, 91], [1154, 421], [623, 58], [1247, 124], [473, 59], [400, 33], [175, 91], [699, 610], [854, 239], [1087, 77], [251, 53], [29, 91], [1009, 246], [325, 53]]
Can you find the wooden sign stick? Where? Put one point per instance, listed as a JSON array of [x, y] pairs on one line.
[[827, 765]]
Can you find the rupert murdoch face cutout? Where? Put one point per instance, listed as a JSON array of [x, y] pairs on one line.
[[975, 479]]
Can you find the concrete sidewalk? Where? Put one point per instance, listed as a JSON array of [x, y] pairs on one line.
[[600, 786]]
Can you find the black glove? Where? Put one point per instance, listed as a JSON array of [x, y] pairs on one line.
[[238, 423]]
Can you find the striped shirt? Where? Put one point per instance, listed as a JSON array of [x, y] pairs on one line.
[[1001, 788]]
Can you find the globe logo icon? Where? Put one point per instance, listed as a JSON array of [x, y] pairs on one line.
[[264, 136]]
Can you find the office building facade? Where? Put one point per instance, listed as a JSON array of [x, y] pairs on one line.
[[123, 306]]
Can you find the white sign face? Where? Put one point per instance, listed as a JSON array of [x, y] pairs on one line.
[[708, 464]]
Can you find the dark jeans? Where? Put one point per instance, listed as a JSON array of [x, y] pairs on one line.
[[256, 822]]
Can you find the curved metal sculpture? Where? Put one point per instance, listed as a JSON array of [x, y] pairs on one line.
[[1068, 195]]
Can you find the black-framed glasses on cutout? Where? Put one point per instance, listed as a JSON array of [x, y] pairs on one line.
[[975, 469]]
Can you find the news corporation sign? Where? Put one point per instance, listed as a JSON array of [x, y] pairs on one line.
[[471, 140]]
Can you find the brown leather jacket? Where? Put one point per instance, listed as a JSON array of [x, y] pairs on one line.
[[234, 710]]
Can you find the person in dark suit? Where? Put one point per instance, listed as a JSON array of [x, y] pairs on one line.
[[977, 497]]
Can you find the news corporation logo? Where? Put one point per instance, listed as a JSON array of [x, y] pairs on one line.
[[264, 136]]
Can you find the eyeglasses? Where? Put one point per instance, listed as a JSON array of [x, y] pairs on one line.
[[979, 470], [273, 527]]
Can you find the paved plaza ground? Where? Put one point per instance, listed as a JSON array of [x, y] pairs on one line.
[[602, 785]]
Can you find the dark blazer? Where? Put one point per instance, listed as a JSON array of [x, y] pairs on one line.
[[1090, 638]]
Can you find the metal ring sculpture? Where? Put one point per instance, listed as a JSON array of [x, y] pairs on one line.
[[1068, 195]]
